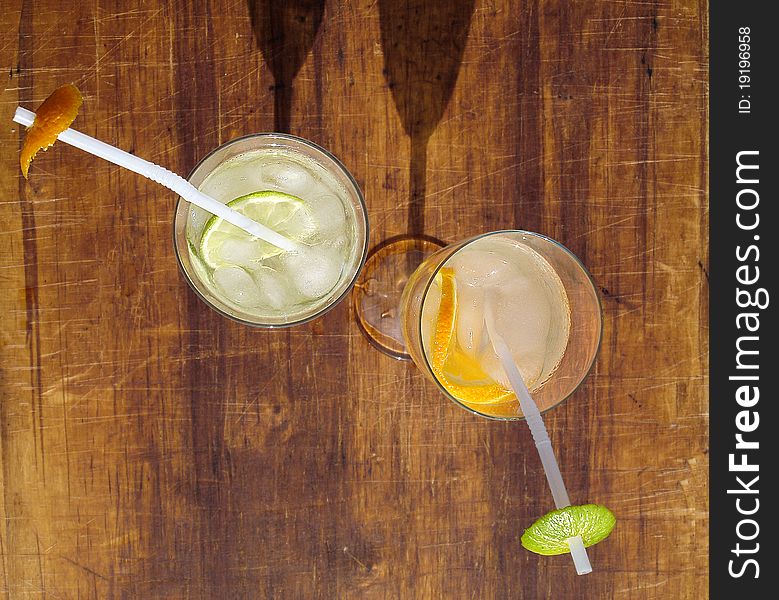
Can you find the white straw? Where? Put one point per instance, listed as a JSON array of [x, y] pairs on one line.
[[581, 561], [164, 177], [540, 436]]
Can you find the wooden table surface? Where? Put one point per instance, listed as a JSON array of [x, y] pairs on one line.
[[151, 449]]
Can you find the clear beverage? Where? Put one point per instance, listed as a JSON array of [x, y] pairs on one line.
[[544, 305], [296, 189]]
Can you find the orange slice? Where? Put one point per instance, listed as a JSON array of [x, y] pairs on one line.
[[52, 118], [448, 363]]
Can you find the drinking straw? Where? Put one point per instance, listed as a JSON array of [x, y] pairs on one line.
[[540, 436], [164, 177]]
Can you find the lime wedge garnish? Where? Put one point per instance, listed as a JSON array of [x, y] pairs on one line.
[[547, 535], [285, 214]]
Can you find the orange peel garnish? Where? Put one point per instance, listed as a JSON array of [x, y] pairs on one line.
[[52, 118], [445, 360]]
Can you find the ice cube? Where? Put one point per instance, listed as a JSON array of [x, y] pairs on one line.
[[471, 334], [314, 271], [241, 252], [274, 288], [523, 318], [237, 286], [197, 220], [475, 267], [329, 215], [288, 177], [237, 177], [299, 225]]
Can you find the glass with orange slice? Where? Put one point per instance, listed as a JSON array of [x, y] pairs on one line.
[[488, 318], [544, 303]]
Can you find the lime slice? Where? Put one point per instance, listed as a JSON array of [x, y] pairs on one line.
[[547, 535], [285, 214]]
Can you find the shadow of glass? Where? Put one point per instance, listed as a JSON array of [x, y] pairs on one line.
[[285, 31], [423, 43]]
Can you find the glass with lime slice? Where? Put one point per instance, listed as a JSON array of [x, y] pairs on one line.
[[298, 190]]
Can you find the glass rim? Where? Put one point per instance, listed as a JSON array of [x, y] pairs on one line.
[[577, 260], [360, 198]]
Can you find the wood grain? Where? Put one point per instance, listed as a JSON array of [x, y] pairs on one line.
[[151, 449]]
